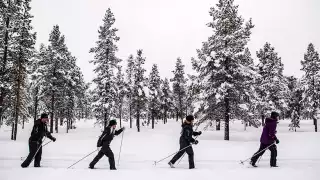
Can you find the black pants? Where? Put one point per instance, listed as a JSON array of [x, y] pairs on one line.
[[273, 149], [188, 149], [107, 152], [33, 147]]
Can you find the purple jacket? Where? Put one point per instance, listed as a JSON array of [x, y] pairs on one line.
[[268, 135]]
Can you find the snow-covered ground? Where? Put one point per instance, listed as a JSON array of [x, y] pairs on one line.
[[298, 154]]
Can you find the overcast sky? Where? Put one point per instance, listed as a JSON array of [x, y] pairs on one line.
[[167, 29]]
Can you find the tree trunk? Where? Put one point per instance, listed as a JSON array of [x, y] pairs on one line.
[[315, 124], [12, 131], [23, 119], [120, 118], [227, 116], [36, 104], [52, 112], [71, 123], [105, 120], [177, 113], [218, 125], [262, 117], [152, 117], [138, 117], [56, 124], [130, 113]]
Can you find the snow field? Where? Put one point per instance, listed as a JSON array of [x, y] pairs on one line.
[[298, 154]]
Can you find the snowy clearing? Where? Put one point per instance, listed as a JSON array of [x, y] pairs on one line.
[[298, 154]]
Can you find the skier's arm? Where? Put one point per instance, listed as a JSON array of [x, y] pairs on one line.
[[197, 133], [117, 132], [48, 135]]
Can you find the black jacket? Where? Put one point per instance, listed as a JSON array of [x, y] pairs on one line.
[[107, 136], [187, 133], [39, 130]]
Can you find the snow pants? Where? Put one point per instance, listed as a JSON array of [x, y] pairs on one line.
[[273, 149], [104, 152], [33, 147], [186, 149]]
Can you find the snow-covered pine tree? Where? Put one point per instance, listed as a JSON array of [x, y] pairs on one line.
[[129, 86], [271, 84], [139, 95], [311, 82], [192, 94], [295, 105], [121, 93], [219, 65], [54, 67], [154, 93], [179, 89], [249, 99], [10, 13], [23, 43], [106, 63], [166, 100]]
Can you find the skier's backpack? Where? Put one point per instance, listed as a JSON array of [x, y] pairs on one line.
[[100, 143]]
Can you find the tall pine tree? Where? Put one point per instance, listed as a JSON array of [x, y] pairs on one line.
[[106, 63], [166, 100], [179, 89], [154, 93], [23, 50], [311, 81], [271, 84], [219, 65], [130, 85], [139, 95]]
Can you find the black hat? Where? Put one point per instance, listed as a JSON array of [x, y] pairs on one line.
[[189, 118], [44, 115], [112, 122], [274, 114]]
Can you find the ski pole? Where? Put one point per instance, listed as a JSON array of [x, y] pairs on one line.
[[241, 162], [82, 158], [120, 149], [155, 162]]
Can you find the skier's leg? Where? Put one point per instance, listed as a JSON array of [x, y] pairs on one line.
[[179, 154], [32, 151], [37, 158], [96, 159], [110, 155], [190, 153], [258, 154], [273, 159]]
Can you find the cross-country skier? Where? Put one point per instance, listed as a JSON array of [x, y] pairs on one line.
[[185, 142], [104, 142], [35, 141], [268, 137]]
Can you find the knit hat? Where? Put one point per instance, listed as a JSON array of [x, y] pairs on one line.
[[112, 122], [189, 118], [274, 114], [44, 115]]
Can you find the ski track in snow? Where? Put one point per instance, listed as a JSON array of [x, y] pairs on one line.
[[298, 154]]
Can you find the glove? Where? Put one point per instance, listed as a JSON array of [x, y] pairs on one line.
[[277, 141], [54, 139], [196, 142], [199, 133], [123, 128]]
